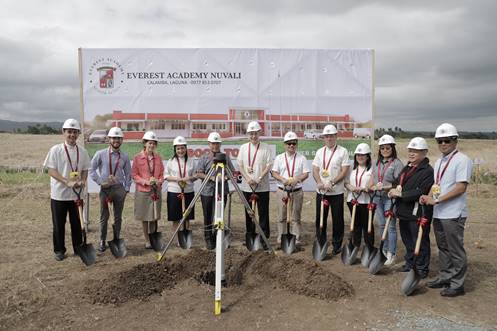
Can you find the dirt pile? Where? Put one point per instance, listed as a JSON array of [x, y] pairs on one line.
[[242, 269]]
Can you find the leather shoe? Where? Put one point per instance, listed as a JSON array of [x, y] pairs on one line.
[[337, 250], [438, 283], [59, 256], [102, 247], [405, 268], [452, 292]]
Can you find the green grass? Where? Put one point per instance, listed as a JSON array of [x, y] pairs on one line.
[[307, 147], [22, 178]]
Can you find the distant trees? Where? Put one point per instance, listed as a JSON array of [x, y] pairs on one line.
[[38, 129]]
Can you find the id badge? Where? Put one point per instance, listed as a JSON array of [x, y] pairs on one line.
[[325, 174], [435, 191], [73, 174]]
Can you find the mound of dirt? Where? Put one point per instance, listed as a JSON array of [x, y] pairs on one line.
[[241, 269]]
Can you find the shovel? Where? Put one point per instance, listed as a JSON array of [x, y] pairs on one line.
[[155, 237], [288, 239], [320, 246], [413, 278], [116, 245], [253, 240], [185, 235], [379, 259], [349, 251], [369, 252], [85, 251]]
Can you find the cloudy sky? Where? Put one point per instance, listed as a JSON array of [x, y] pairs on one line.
[[435, 60]]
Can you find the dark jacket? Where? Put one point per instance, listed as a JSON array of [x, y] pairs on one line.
[[417, 184]]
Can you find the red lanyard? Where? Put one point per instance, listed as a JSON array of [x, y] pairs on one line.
[[439, 176], [406, 175], [151, 170], [73, 169], [385, 168], [113, 173], [326, 166], [251, 164], [181, 175], [293, 166], [360, 178]]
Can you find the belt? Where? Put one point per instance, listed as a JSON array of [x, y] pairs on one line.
[[291, 191]]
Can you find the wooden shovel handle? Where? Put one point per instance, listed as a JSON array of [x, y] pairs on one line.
[[253, 206], [81, 217], [370, 220], [154, 206], [352, 221], [385, 230], [321, 213], [418, 241], [289, 208]]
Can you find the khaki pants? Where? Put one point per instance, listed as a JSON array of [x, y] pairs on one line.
[[297, 200]]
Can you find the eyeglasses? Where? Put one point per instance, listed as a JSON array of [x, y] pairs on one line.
[[444, 141], [291, 143]]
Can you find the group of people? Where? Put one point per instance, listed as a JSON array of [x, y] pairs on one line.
[[414, 193]]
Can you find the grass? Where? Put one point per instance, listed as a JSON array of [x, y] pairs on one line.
[[22, 178]]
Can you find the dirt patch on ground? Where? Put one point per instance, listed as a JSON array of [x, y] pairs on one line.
[[242, 269]]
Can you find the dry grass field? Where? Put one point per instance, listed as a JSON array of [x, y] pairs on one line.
[[37, 292]]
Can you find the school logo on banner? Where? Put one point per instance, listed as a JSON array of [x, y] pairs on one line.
[[106, 75]]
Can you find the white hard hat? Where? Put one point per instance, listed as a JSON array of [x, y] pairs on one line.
[[179, 140], [214, 137], [290, 136], [446, 130], [71, 124], [115, 132], [362, 148], [150, 135], [329, 129], [253, 126], [418, 143], [386, 139]]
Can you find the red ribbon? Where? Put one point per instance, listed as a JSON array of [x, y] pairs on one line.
[[154, 196], [79, 202], [388, 213], [285, 200], [253, 197], [107, 201], [326, 203], [423, 221], [371, 206], [181, 196], [354, 202]]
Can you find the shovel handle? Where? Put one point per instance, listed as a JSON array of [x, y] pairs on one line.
[[370, 220], [154, 206], [385, 230], [321, 212], [253, 207], [352, 221], [418, 241]]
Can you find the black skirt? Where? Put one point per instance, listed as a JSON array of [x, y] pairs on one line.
[[174, 208]]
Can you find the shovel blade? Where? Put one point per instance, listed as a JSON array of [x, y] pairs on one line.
[[257, 243], [378, 261], [349, 253], [249, 241], [185, 239], [156, 241], [117, 248], [410, 283], [366, 256], [319, 250], [87, 254], [288, 245]]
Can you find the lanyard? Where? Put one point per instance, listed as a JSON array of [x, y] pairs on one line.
[[385, 168], [293, 166], [151, 170], [326, 166], [73, 169], [406, 175], [181, 175], [439, 176], [358, 184], [251, 164], [113, 173]]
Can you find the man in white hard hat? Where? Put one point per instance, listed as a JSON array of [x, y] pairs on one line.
[[329, 169], [415, 179], [448, 196], [207, 195], [67, 165], [111, 169], [290, 170], [254, 161]]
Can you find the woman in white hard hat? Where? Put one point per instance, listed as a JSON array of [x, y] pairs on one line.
[[148, 174], [415, 179], [357, 184], [385, 170], [207, 195], [180, 176]]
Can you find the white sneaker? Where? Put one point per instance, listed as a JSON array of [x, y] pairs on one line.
[[390, 259]]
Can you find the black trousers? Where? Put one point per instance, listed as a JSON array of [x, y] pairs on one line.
[[409, 234], [336, 205], [208, 205], [262, 212], [361, 225], [60, 209]]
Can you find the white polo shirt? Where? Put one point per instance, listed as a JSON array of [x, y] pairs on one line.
[[262, 160], [340, 159], [172, 169], [359, 177], [459, 170], [280, 166], [57, 159]]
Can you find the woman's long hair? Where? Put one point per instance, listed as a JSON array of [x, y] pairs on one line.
[[368, 162], [380, 157], [176, 154]]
